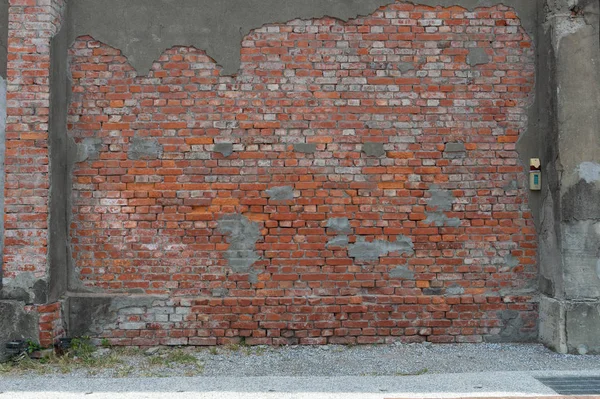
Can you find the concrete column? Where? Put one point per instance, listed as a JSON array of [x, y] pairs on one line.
[[570, 222]]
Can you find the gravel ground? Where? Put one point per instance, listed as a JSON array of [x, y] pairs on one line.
[[299, 361]]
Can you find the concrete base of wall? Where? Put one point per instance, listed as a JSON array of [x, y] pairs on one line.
[[16, 323], [569, 326]]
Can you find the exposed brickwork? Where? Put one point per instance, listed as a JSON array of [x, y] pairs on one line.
[[32, 25], [147, 218], [51, 323]]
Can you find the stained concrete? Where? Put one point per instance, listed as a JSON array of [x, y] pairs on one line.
[[16, 323], [142, 30], [144, 148], [281, 193], [367, 251], [243, 235]]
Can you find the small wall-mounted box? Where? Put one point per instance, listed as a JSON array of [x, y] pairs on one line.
[[535, 174]]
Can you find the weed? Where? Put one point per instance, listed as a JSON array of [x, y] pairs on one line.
[[418, 372], [105, 343], [213, 350]]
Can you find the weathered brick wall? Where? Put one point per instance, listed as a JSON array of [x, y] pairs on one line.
[[356, 182], [32, 25]]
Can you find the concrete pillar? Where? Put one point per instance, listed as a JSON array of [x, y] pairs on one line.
[[570, 222]]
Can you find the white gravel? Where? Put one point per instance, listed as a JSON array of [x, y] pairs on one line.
[[329, 361]]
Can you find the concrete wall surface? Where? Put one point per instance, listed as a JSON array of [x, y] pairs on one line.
[[302, 171]]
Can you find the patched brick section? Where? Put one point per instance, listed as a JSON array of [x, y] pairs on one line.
[[309, 96]]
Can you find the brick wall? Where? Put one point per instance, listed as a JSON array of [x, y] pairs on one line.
[[32, 23], [355, 182]]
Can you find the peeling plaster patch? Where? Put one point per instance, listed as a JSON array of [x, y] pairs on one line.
[[363, 250], [441, 200], [27, 288], [373, 149], [477, 56], [455, 147], [455, 290], [406, 66], [281, 193], [338, 241], [243, 235], [402, 273], [225, 149], [89, 148], [220, 292], [511, 186], [511, 260], [341, 225], [589, 171], [144, 148], [305, 148], [253, 276]]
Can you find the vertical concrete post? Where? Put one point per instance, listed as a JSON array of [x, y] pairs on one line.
[[570, 239]]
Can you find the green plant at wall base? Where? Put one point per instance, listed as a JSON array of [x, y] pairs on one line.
[[33, 346], [105, 343], [82, 347]]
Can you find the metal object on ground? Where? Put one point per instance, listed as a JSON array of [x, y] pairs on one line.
[[573, 385]]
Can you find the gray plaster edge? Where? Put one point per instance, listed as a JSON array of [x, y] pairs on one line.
[[2, 174], [222, 44]]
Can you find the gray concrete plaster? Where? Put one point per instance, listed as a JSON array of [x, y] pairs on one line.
[[373, 149], [338, 241], [142, 30], [91, 314], [2, 175], [225, 149], [25, 287], [440, 202], [477, 56], [305, 148], [281, 193], [16, 323], [365, 251], [144, 148], [512, 329], [339, 225], [243, 235], [60, 179], [88, 148], [570, 229], [402, 273], [3, 37]]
